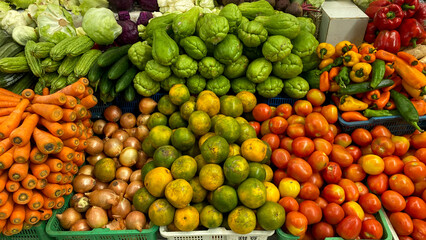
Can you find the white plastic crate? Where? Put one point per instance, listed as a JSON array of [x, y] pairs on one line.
[[214, 234]]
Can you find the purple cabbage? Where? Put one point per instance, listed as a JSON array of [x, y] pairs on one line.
[[144, 17], [121, 5], [129, 34], [149, 5]]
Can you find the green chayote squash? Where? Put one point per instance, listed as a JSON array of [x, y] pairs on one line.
[[312, 77], [228, 50], [310, 62], [219, 85], [307, 24], [236, 69], [144, 85], [296, 87], [157, 71], [196, 84], [280, 24], [139, 54], [289, 67], [184, 24], [234, 16], [251, 10], [210, 67], [164, 49], [184, 66], [194, 47], [212, 28], [304, 44], [253, 53], [170, 82], [243, 84], [252, 33], [163, 22], [259, 70], [270, 88], [276, 48]]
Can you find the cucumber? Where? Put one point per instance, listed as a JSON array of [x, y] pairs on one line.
[[125, 80], [10, 49], [8, 79], [119, 68], [22, 84], [4, 37], [105, 85], [112, 55], [129, 94], [95, 73], [363, 87]]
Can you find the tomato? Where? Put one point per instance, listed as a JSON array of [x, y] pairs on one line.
[[393, 201], [372, 164], [302, 108], [415, 207], [295, 130], [332, 173], [333, 213], [274, 111], [377, 183], [370, 203], [410, 158], [380, 131], [316, 125], [280, 158], [402, 223], [278, 125], [289, 187], [309, 191], [264, 127], [333, 193], [405, 238], [393, 165], [284, 110], [343, 139], [424, 195], [322, 203], [367, 150], [354, 172], [419, 229], [401, 184], [418, 140], [362, 189], [322, 230], [368, 216], [331, 113], [299, 169], [383, 146], [349, 227], [421, 154], [416, 171], [371, 229], [329, 136], [335, 129], [296, 119], [273, 140], [318, 161], [341, 156], [296, 223], [419, 187], [401, 145], [316, 179], [317, 109], [278, 175], [262, 112], [353, 208], [351, 190], [286, 143], [311, 210], [289, 204], [354, 151], [256, 126], [302, 146], [323, 145], [362, 137], [315, 97]]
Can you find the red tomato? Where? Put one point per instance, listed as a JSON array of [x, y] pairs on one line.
[[262, 112], [393, 201], [299, 169], [383, 146], [316, 179], [333, 213], [368, 216], [362, 189], [318, 161], [367, 150], [296, 119], [343, 139], [354, 172], [349, 227], [402, 223], [419, 229], [302, 108], [351, 190], [278, 125], [316, 97], [333, 193], [329, 136], [415, 207], [332, 173], [274, 111], [322, 203], [362, 137], [311, 210], [256, 126], [335, 129], [421, 155], [316, 125], [317, 109], [371, 229], [419, 187], [416, 171], [273, 140], [370, 203], [341, 156], [296, 223], [264, 127], [330, 112], [295, 130], [284, 110], [322, 230], [405, 238], [353, 208], [424, 195], [302, 146], [393, 165], [401, 184], [278, 175], [280, 158], [286, 143], [289, 204], [323, 145], [380, 131], [377, 183], [402, 144], [309, 191], [354, 151], [418, 140]]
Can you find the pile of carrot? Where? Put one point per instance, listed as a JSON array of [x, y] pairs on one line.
[[42, 142]]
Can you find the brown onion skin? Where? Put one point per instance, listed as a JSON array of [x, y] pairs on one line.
[[92, 160], [80, 225], [135, 220], [132, 142], [95, 145], [116, 224], [147, 105], [132, 189], [112, 113], [130, 131], [68, 218], [142, 132], [74, 199], [86, 170], [142, 159], [120, 135], [123, 173], [96, 217], [136, 176], [83, 183], [110, 128], [82, 204], [142, 119], [121, 209], [113, 147], [98, 126], [128, 157], [104, 198], [100, 185], [118, 186], [127, 120]]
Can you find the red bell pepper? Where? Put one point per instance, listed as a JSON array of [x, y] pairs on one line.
[[409, 7], [420, 15], [374, 6], [412, 32], [388, 40], [371, 33], [389, 17]]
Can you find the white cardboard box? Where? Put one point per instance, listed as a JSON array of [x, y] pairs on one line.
[[342, 20]]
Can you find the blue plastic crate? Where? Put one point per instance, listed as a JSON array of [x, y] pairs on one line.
[[276, 101]]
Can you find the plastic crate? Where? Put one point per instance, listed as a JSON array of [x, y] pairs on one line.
[[214, 234], [37, 232], [276, 101], [380, 216], [54, 229]]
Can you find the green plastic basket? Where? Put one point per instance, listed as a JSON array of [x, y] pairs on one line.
[[37, 232], [380, 216], [54, 229]]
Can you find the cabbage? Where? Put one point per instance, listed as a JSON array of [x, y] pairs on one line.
[[4, 8], [11, 20], [315, 3], [101, 26], [22, 3], [55, 24], [85, 5], [22, 34], [363, 4]]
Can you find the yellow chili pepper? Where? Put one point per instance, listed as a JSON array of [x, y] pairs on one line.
[[360, 72], [348, 103], [345, 46], [351, 58], [325, 50], [324, 63], [413, 92], [334, 87]]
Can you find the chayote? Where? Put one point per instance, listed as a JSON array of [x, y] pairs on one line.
[[144, 85], [312, 77], [184, 66], [139, 54], [196, 84], [212, 28], [310, 62], [157, 71], [210, 67], [171, 81], [270, 88], [219, 85], [233, 14], [259, 8], [304, 44], [164, 49], [253, 53], [280, 24], [194, 47], [296, 87], [276, 48], [252, 33], [243, 84], [289, 67], [162, 22], [236, 69], [184, 24], [259, 70], [307, 24], [228, 50]]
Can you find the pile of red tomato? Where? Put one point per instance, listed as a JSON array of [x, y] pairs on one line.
[[331, 183]]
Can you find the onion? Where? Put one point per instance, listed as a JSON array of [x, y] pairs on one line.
[[100, 185], [68, 218], [92, 160], [83, 183], [112, 113], [95, 145], [96, 217], [113, 147], [135, 220], [136, 175], [82, 204], [128, 157], [142, 159], [80, 225], [110, 128], [132, 189], [118, 186], [132, 142], [147, 105], [75, 199], [86, 170], [130, 131], [116, 224], [127, 120], [123, 173], [142, 119], [98, 126], [117, 163], [104, 198], [141, 132], [121, 209], [120, 135]]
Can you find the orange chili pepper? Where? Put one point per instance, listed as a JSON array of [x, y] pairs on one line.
[[368, 57], [353, 117], [385, 56], [373, 95], [324, 82], [420, 106], [333, 73], [381, 102], [335, 99], [367, 49], [397, 81], [411, 60], [390, 105], [366, 100], [334, 87], [389, 69]]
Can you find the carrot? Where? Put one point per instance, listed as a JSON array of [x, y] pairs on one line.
[[8, 104], [89, 101], [21, 136], [32, 216], [18, 171], [49, 203], [58, 145], [3, 197], [67, 154], [45, 214], [5, 145], [54, 128], [6, 159], [22, 196], [56, 99], [22, 154], [6, 92], [81, 111], [6, 209], [67, 168], [3, 179], [50, 112], [72, 143], [69, 115], [41, 183], [40, 171], [37, 201], [54, 177], [64, 189], [88, 91], [65, 179], [353, 116], [54, 164], [385, 56], [24, 115], [28, 94], [59, 202], [45, 91], [69, 188], [70, 175], [6, 111], [84, 80], [52, 190], [82, 145], [18, 214], [14, 119], [12, 186], [10, 99], [29, 182], [70, 130], [12, 229], [74, 89], [44, 141], [78, 160], [87, 123], [89, 132], [88, 115], [36, 156], [2, 224], [79, 132], [74, 169], [70, 103]]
